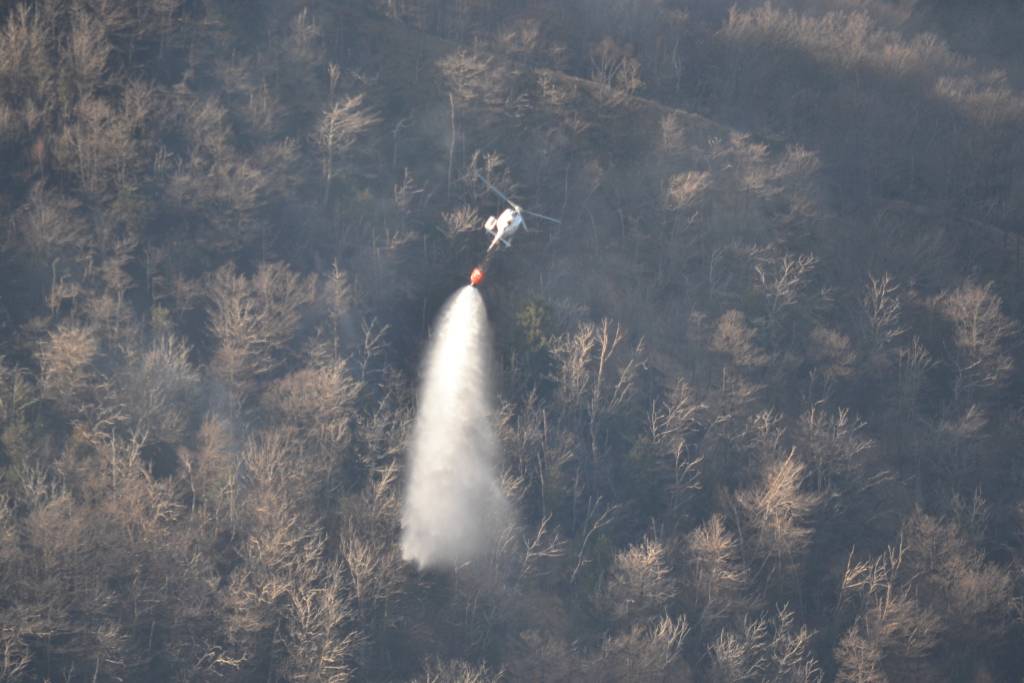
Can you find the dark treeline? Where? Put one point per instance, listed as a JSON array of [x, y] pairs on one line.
[[760, 398]]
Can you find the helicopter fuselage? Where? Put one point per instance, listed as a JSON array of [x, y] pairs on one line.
[[503, 227]]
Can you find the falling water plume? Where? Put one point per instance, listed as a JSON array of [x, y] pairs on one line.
[[454, 506]]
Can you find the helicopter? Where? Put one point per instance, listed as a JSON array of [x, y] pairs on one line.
[[508, 221]]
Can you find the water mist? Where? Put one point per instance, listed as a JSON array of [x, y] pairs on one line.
[[454, 507]]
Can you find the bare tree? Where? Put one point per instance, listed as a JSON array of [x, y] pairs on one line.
[[597, 373], [87, 50], [523, 38], [544, 656], [17, 393], [597, 517], [461, 220], [837, 451], [765, 649], [912, 364], [616, 69], [717, 582], [781, 279], [321, 642], [101, 146], [735, 338], [341, 127], [457, 671], [51, 225], [374, 570], [859, 659], [990, 99], [541, 550], [981, 332], [25, 63], [64, 360], [686, 189], [640, 583], [831, 353], [213, 471], [882, 310], [218, 183], [649, 651], [892, 632], [318, 402], [15, 634], [475, 79], [287, 607], [672, 427], [254, 320], [304, 41], [973, 597], [160, 388], [776, 511], [673, 134]]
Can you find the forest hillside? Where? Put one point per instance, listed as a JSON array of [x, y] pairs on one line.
[[759, 393]]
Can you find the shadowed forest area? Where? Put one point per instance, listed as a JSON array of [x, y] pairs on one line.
[[760, 392]]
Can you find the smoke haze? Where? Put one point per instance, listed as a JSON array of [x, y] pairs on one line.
[[454, 505]]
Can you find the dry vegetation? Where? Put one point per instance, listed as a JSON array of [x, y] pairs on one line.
[[761, 391]]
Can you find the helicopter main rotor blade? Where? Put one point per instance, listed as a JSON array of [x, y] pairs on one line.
[[540, 215], [497, 191]]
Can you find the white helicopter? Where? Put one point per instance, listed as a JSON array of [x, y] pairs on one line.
[[509, 221]]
